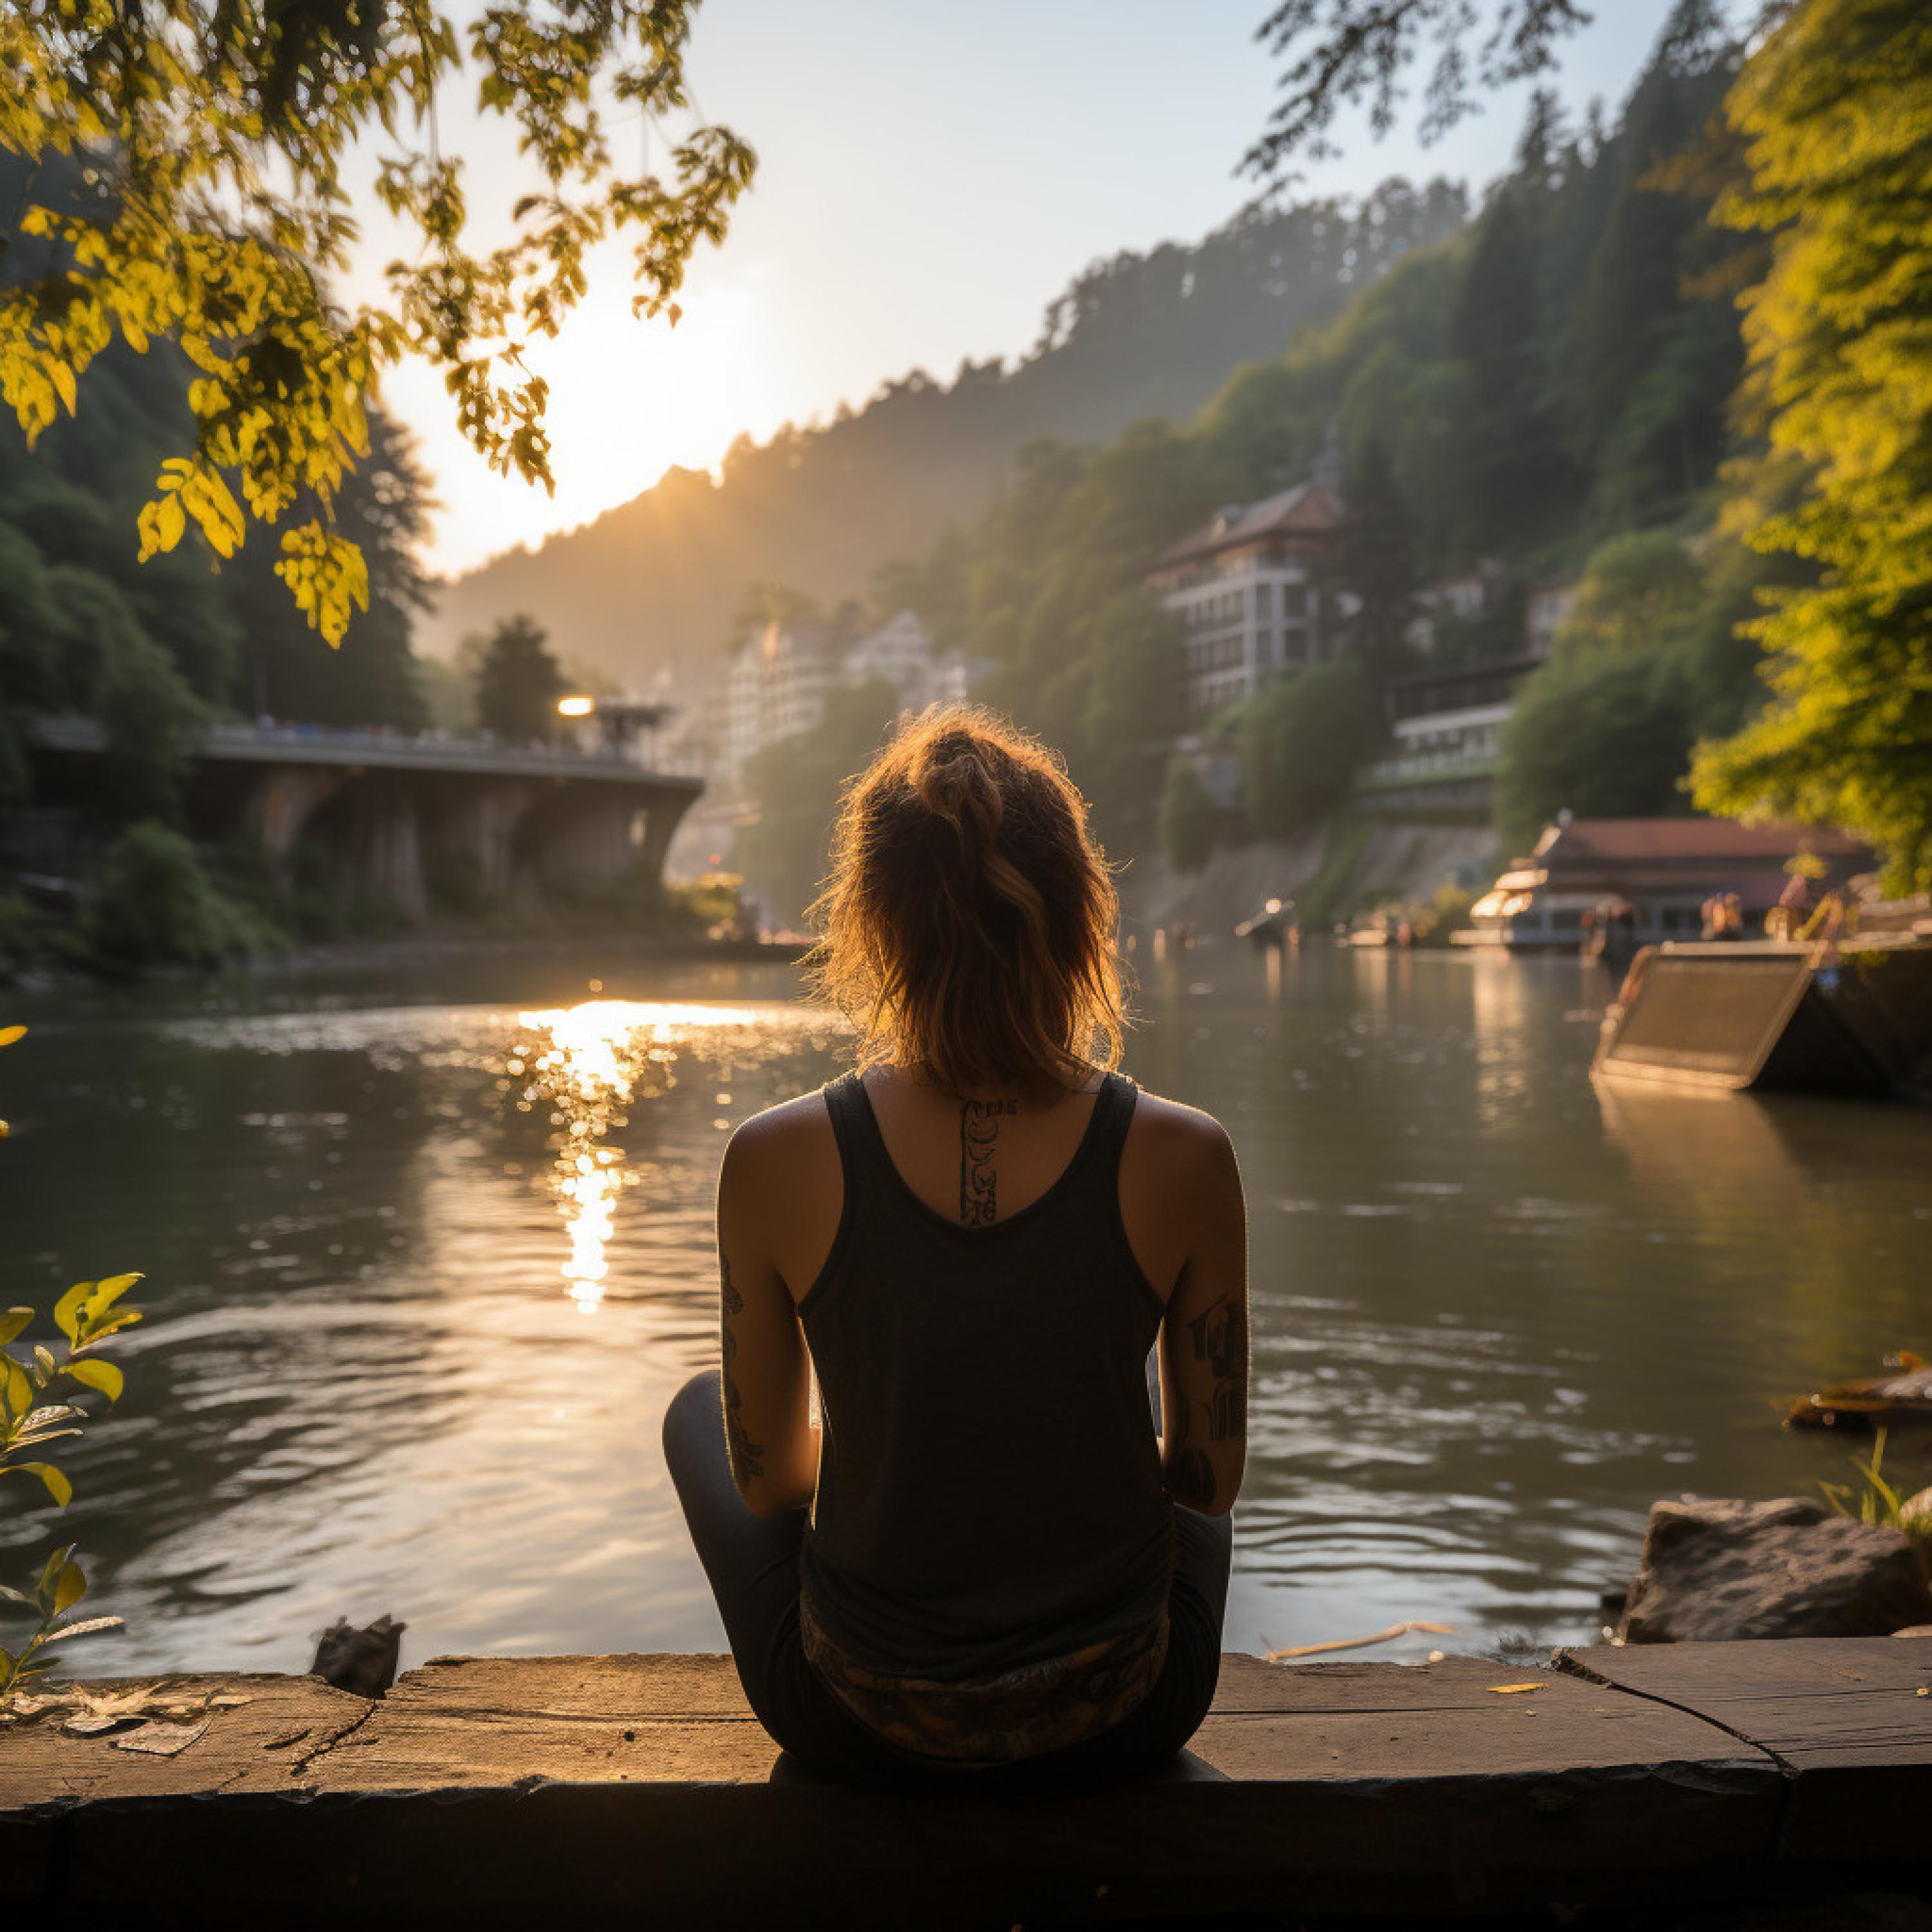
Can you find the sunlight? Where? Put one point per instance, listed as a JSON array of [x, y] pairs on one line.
[[599, 1057]]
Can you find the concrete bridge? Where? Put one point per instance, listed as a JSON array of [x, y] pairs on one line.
[[392, 807]]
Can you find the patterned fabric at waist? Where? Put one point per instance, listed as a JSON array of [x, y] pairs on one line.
[[1001, 1716]]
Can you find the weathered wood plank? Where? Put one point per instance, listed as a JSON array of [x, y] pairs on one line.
[[263, 1745], [624, 1781], [1849, 1717]]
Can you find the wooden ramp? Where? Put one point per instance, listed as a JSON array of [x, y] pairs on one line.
[[640, 1790], [1855, 1019]]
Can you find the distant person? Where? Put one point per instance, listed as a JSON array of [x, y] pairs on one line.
[[1794, 904], [982, 1566], [1730, 917]]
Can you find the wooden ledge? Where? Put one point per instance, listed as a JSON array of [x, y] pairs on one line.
[[484, 1788]]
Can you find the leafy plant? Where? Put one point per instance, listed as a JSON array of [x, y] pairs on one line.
[[1877, 1503], [32, 1414]]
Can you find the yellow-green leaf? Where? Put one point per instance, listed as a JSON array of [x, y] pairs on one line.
[[69, 1590], [96, 1374], [67, 1310], [12, 1321], [58, 1487], [20, 1397]]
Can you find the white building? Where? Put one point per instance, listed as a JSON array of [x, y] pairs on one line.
[[1545, 608], [776, 685], [1245, 587], [779, 676]]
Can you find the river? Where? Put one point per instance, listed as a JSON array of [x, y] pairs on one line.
[[425, 1260]]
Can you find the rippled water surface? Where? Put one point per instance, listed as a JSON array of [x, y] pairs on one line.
[[424, 1269]]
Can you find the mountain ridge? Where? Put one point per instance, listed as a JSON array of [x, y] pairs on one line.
[[819, 507]]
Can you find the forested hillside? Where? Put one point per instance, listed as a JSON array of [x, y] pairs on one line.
[[817, 507], [1528, 390]]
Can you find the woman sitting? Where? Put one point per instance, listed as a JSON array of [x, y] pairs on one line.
[[981, 1562]]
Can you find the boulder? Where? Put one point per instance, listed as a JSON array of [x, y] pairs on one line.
[[1714, 1570], [1915, 1518]]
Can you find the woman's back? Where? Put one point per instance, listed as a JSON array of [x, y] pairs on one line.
[[989, 1487]]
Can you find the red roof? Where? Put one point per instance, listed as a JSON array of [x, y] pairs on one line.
[[1599, 841], [1309, 509]]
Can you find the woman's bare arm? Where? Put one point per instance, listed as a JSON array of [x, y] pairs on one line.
[[766, 1370], [1204, 1339]]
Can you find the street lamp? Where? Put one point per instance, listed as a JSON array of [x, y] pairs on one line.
[[621, 718]]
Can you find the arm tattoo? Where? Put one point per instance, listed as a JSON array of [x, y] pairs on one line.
[[747, 1456], [979, 1134], [1220, 1339], [1190, 1473]]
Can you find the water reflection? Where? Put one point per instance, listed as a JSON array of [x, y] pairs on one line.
[[1496, 1312], [584, 1067]]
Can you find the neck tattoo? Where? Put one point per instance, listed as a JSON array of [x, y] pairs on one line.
[[979, 1136]]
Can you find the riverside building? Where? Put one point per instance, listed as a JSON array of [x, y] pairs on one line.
[[1246, 586]]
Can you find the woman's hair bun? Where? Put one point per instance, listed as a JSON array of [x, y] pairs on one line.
[[969, 920]]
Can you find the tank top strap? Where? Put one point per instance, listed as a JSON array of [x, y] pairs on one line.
[[1114, 1115], [862, 1147]]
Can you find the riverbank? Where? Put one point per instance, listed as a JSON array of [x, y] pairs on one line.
[[483, 1789], [414, 953]]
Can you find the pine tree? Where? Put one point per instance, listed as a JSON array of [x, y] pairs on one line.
[[1374, 562], [1517, 480], [1837, 108], [518, 682]]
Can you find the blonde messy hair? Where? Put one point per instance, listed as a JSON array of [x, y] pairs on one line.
[[968, 923]]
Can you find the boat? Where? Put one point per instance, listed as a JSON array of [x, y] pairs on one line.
[[1877, 1401], [1850, 1015]]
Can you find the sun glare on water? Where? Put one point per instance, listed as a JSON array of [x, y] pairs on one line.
[[589, 1065]]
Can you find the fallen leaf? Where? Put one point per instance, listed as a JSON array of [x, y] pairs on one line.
[[1924, 1690], [1506, 1690], [91, 1723], [159, 1740]]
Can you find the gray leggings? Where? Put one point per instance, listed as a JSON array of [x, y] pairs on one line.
[[751, 1562]]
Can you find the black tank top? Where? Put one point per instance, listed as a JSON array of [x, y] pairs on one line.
[[990, 1513]]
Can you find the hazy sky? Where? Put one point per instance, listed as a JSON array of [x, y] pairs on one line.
[[930, 176]]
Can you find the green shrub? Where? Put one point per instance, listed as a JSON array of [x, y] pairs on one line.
[[155, 904], [1188, 819]]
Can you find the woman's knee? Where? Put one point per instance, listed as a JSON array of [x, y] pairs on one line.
[[695, 1417]]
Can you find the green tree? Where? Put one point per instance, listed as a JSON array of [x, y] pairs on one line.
[[1605, 733], [1375, 562], [518, 681], [1640, 592], [1516, 482], [1833, 108], [1188, 820], [204, 205], [153, 901], [1302, 744]]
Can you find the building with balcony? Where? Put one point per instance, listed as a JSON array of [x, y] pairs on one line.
[[1246, 588], [775, 686]]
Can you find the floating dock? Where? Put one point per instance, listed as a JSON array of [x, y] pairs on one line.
[[1853, 1018], [621, 1790]]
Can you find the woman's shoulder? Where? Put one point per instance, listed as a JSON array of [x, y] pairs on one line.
[[782, 1134], [1179, 1143]]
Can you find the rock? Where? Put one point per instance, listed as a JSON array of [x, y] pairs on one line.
[[363, 1660], [1915, 1518], [1715, 1571]]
